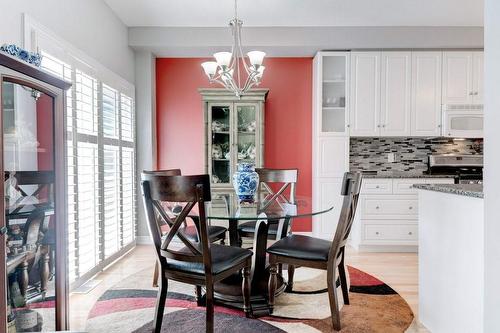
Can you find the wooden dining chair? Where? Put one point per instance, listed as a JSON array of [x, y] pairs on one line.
[[268, 180], [319, 253], [198, 263], [215, 233]]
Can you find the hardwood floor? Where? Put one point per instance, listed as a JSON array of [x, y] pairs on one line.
[[399, 270]]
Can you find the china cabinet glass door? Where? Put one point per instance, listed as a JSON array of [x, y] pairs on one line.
[[220, 143], [246, 138], [28, 156]]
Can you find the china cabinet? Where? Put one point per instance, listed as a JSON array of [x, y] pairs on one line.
[[33, 282], [234, 132]]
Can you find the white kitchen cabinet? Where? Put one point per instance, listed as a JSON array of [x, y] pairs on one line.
[[426, 93], [478, 77], [332, 156], [462, 77], [364, 116], [328, 195], [387, 214], [395, 94]]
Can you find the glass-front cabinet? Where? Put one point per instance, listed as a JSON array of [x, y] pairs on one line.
[[234, 129], [33, 284]]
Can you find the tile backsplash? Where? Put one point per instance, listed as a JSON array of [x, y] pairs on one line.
[[371, 154]]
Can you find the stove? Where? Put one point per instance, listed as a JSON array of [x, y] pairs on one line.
[[466, 169]]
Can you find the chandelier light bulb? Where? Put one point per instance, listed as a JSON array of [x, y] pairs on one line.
[[223, 59], [256, 57]]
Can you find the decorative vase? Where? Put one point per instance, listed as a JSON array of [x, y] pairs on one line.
[[245, 182]]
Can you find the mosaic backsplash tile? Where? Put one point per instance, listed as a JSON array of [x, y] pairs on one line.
[[370, 154]]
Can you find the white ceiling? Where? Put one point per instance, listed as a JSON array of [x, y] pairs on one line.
[[299, 13]]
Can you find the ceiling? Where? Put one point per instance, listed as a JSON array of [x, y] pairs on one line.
[[299, 13]]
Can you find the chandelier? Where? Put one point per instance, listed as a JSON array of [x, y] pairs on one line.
[[226, 70]]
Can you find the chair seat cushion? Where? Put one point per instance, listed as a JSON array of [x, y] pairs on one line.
[[223, 258], [214, 232], [302, 247], [249, 227]]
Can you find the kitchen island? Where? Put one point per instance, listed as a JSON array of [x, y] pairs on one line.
[[451, 246]]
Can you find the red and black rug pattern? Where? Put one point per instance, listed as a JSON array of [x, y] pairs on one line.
[[374, 307]]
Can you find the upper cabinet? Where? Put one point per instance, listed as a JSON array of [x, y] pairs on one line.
[[462, 77], [331, 100], [365, 94], [395, 94], [426, 94]]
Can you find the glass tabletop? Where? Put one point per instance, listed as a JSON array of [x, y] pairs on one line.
[[225, 206]]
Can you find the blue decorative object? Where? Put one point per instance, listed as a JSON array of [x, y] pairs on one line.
[[245, 182], [29, 57]]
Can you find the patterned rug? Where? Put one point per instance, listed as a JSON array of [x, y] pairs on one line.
[[374, 307]]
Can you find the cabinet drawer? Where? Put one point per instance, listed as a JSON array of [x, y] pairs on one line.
[[376, 186], [405, 186], [404, 232], [376, 207]]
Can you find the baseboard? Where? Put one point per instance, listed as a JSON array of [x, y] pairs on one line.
[[143, 240], [388, 248], [305, 233]]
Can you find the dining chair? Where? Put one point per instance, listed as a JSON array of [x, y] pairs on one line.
[[319, 253], [198, 263], [215, 233], [268, 180]]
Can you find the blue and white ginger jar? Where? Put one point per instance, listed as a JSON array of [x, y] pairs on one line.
[[245, 182]]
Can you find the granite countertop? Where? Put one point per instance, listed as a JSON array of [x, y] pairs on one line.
[[469, 190], [400, 174]]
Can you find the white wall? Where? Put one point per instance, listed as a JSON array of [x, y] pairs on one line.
[[492, 167], [89, 25]]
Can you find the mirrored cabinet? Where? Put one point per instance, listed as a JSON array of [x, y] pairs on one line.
[[234, 132], [33, 283]]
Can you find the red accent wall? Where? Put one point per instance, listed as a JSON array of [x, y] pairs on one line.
[[288, 119]]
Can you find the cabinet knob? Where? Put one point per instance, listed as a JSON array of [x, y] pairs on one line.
[[377, 207], [410, 207], [376, 232], [383, 126], [377, 186], [471, 93], [439, 126], [476, 93], [378, 126], [410, 233], [348, 126]]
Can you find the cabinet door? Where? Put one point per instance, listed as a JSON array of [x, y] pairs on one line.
[[247, 134], [365, 94], [327, 195], [395, 93], [478, 74], [333, 156], [220, 143], [457, 78], [426, 94]]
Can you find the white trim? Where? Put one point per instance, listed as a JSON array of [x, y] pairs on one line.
[[304, 233], [36, 36]]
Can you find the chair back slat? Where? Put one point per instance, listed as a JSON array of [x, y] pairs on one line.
[[192, 191], [351, 186]]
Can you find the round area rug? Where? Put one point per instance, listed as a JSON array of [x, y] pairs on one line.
[[374, 307]]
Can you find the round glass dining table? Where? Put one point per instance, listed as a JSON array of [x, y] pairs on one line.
[[225, 209]]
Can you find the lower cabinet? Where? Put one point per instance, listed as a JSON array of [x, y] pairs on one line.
[[387, 214], [327, 194]]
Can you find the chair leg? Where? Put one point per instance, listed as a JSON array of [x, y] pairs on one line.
[[343, 283], [160, 305], [155, 274], [210, 308], [291, 271], [199, 297], [332, 295], [273, 271], [247, 307]]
